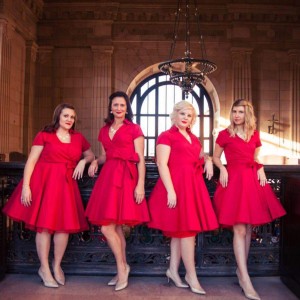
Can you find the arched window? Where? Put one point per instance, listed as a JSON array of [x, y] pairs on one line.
[[152, 102]]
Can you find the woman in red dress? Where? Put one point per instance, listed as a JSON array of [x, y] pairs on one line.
[[118, 196], [47, 199], [243, 198], [179, 204]]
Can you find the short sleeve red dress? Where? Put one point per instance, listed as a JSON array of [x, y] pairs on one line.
[[112, 199], [244, 200], [194, 211], [56, 202]]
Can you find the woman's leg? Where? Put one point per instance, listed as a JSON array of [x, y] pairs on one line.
[[120, 233], [119, 230], [241, 249], [115, 243], [43, 241], [175, 257], [188, 257], [60, 245]]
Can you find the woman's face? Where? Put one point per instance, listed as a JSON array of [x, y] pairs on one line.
[[184, 118], [119, 107], [67, 118], [238, 115]]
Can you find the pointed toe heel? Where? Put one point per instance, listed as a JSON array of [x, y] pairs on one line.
[[195, 290], [47, 283], [113, 281], [177, 283]]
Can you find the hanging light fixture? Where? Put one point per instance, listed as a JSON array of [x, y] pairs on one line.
[[187, 72]]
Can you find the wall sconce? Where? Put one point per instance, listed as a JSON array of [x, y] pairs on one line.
[[271, 128]]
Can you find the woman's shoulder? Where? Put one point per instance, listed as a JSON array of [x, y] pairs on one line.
[[224, 133]]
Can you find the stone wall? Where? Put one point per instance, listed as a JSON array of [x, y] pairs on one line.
[[87, 50]]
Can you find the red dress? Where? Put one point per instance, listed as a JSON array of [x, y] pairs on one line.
[[56, 202], [112, 199], [194, 212], [244, 200]]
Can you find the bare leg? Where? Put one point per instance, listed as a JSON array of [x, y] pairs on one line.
[[175, 257], [115, 243], [188, 257], [60, 245], [241, 249], [120, 233], [43, 240]]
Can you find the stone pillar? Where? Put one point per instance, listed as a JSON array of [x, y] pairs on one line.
[[5, 61], [45, 92], [102, 64], [295, 100], [28, 115], [241, 68]]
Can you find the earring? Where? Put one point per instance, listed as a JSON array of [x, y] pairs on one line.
[[111, 111], [126, 112]]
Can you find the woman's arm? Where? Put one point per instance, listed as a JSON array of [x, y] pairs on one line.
[[260, 172], [96, 162], [217, 161], [208, 165], [88, 156], [139, 192], [163, 154], [29, 167]]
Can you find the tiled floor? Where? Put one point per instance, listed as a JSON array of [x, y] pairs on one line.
[[29, 287]]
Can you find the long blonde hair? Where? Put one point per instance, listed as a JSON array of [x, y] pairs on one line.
[[250, 119], [180, 106]]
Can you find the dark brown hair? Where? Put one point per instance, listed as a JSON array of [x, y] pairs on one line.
[[129, 114], [56, 115]]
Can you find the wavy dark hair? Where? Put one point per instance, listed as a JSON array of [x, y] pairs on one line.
[[129, 114], [53, 126]]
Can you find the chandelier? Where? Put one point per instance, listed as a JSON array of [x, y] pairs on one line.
[[186, 72]]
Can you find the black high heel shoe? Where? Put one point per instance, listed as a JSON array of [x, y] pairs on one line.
[[177, 283]]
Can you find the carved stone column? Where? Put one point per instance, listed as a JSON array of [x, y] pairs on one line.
[[28, 115], [5, 62], [295, 100], [241, 68], [102, 57]]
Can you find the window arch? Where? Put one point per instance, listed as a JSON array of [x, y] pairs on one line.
[[153, 100]]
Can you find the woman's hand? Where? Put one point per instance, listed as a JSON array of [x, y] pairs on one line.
[[93, 168], [223, 176], [78, 172], [26, 195], [208, 168], [172, 199], [261, 176], [139, 194]]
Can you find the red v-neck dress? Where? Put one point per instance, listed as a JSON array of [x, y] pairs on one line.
[[56, 202], [112, 200], [193, 212], [244, 200]]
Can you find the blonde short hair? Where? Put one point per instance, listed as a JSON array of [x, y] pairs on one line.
[[180, 106]]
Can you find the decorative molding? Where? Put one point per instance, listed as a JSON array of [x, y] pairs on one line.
[[151, 13]]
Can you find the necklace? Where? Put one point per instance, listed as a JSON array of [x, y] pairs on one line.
[[63, 137], [113, 130]]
